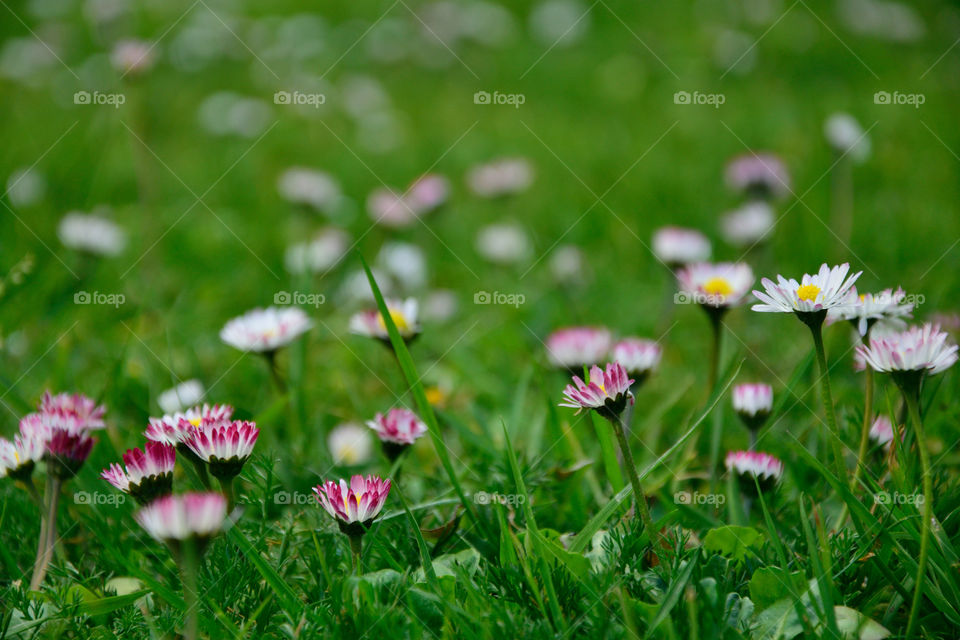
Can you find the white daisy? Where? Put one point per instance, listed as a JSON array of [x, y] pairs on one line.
[[676, 246], [827, 289], [724, 284], [91, 233], [265, 330], [888, 307]]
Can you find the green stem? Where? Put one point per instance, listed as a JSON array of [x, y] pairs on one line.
[[716, 326], [638, 494], [816, 328], [716, 424], [189, 567], [48, 532], [865, 429], [356, 546], [913, 405], [227, 489]]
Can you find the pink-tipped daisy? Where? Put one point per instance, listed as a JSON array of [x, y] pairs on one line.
[[197, 517], [225, 447], [65, 442], [677, 246], [881, 432], [574, 348], [762, 175], [640, 357], [148, 473], [910, 355], [827, 289], [353, 505], [864, 310], [80, 409], [397, 430], [428, 192], [370, 323], [19, 456], [753, 403], [721, 285], [173, 428], [501, 177], [607, 392], [266, 330], [750, 465]]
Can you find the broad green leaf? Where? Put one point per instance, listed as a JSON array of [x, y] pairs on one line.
[[854, 624], [770, 584], [733, 541]]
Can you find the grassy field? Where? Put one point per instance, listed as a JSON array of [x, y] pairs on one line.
[[524, 507]]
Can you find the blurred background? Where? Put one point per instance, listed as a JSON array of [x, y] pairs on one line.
[[169, 166]]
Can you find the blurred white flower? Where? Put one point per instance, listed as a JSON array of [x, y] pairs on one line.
[[735, 51], [186, 394], [26, 187], [363, 95], [132, 56], [27, 59], [226, 113], [91, 233], [356, 287], [882, 19], [847, 137], [318, 255], [560, 23], [677, 246], [504, 243], [500, 177], [439, 306], [428, 192], [567, 264], [749, 224], [304, 186], [405, 262], [266, 330], [350, 444]]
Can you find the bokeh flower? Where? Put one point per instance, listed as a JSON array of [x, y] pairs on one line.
[[574, 348], [266, 330], [196, 517], [397, 430], [639, 356], [19, 456], [503, 243], [350, 444], [865, 310], [758, 174], [132, 57], [753, 465], [501, 177], [750, 224], [753, 403], [91, 233], [881, 432], [185, 394], [146, 474], [309, 187], [370, 323], [847, 137], [323, 252], [677, 246], [720, 285]]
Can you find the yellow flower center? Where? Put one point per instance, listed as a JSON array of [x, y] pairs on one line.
[[348, 454], [16, 456], [808, 292], [717, 287], [398, 318], [435, 395], [195, 422]]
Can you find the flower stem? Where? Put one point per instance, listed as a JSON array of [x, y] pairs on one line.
[[816, 328], [716, 326], [638, 495], [227, 489], [913, 405], [865, 429], [356, 545], [48, 532], [189, 567]]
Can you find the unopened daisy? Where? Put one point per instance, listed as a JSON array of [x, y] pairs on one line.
[[866, 309], [677, 246], [397, 430], [881, 432], [640, 357], [146, 474], [354, 506], [350, 444], [403, 313], [750, 224], [185, 394], [761, 175], [225, 447], [501, 177], [574, 348], [910, 356], [266, 330], [719, 286], [91, 233], [753, 465], [753, 403]]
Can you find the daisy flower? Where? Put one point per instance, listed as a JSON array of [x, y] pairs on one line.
[[574, 348], [309, 187], [720, 285], [356, 503], [753, 403], [405, 262], [881, 432], [827, 289], [638, 356], [748, 225], [91, 233], [607, 392], [847, 137], [65, 439], [146, 474], [132, 56], [501, 177], [19, 457], [76, 407], [677, 246], [397, 430], [762, 175], [191, 516], [503, 243], [428, 192], [918, 350], [350, 444], [866, 309], [390, 209], [225, 447], [266, 330], [173, 428], [185, 394], [370, 323], [318, 255], [750, 465]]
